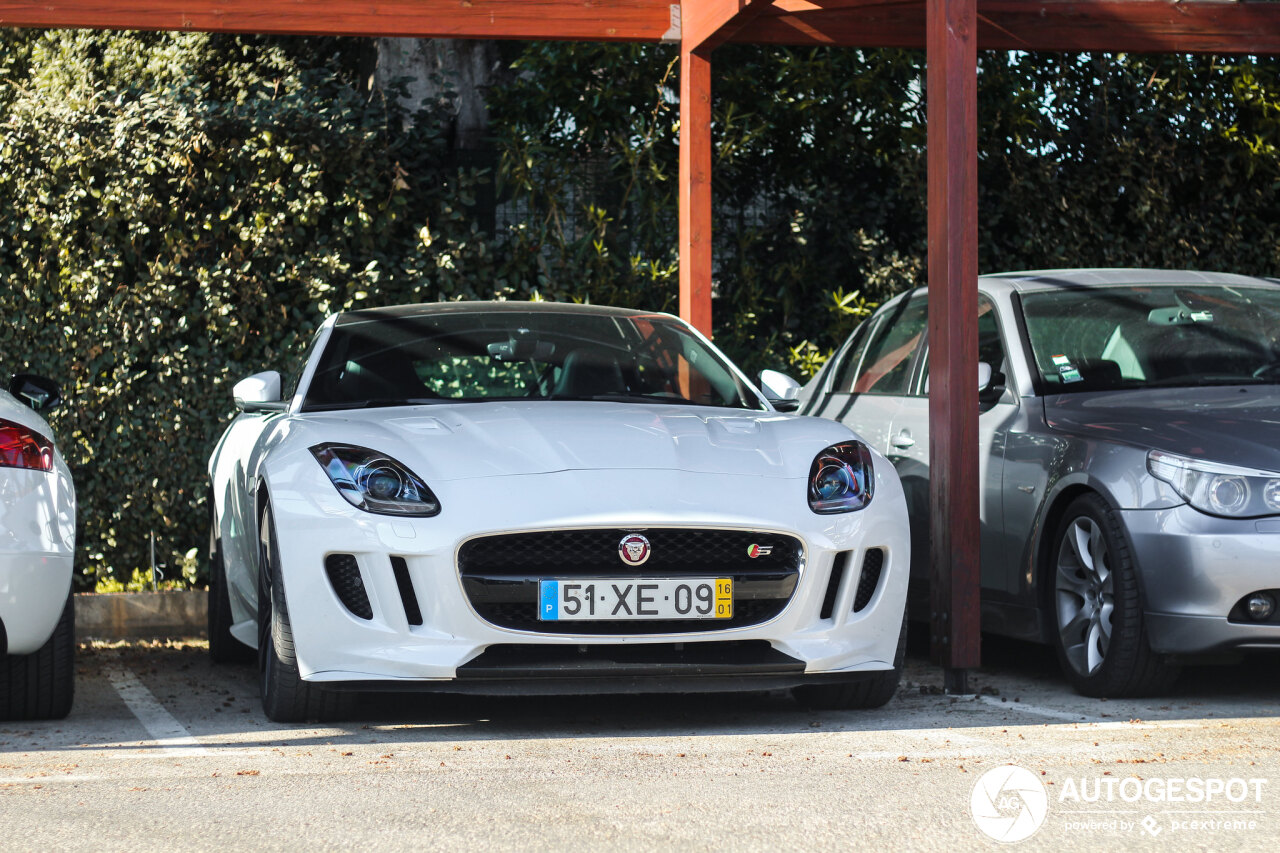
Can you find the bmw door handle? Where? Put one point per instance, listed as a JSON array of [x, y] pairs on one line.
[[903, 440]]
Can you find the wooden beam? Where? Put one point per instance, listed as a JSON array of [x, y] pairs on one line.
[[594, 20], [1135, 26], [952, 81], [707, 24], [695, 188]]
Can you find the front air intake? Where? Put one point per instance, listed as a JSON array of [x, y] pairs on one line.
[[344, 577], [838, 566], [412, 612], [872, 564]]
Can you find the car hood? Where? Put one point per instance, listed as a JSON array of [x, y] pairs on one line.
[[1235, 425], [451, 442]]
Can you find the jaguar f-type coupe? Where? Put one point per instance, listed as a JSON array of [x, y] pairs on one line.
[[546, 498]]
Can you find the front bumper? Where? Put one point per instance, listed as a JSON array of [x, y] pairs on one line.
[[455, 649], [1195, 569]]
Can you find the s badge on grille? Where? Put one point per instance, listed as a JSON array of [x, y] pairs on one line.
[[634, 549], [759, 551]]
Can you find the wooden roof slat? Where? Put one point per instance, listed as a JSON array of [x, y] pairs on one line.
[[594, 20], [1135, 26]]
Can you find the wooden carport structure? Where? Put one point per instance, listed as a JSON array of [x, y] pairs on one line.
[[952, 31]]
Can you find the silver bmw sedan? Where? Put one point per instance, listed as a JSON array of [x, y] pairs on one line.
[[1129, 456]]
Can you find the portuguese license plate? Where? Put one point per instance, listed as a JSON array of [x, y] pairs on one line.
[[604, 599]]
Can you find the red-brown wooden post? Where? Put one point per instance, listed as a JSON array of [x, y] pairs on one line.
[[695, 188], [955, 623]]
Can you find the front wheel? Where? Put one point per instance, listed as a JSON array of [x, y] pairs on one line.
[[1100, 635], [41, 685], [286, 698]]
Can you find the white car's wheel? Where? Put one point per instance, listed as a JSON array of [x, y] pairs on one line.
[[286, 698], [41, 685]]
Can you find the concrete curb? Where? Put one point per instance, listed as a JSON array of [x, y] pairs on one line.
[[141, 615]]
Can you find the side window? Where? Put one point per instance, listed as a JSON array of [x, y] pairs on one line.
[[990, 343], [886, 364], [294, 376], [847, 370]]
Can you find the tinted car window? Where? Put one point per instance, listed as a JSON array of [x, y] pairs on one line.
[[847, 370], [1154, 335], [886, 364]]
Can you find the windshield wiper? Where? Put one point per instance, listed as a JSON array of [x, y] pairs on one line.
[[374, 403]]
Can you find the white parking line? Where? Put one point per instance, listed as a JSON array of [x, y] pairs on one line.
[[159, 723]]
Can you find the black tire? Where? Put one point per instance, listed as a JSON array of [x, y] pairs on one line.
[[41, 685], [1095, 603], [286, 698], [223, 647], [871, 691]]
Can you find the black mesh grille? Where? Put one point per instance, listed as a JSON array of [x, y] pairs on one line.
[[412, 612], [344, 575], [872, 563], [500, 573], [833, 585]]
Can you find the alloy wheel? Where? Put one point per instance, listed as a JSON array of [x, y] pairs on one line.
[[1084, 595]]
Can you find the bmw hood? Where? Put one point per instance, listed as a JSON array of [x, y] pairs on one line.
[[1235, 425], [453, 442]]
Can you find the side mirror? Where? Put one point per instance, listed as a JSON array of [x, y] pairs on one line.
[[780, 390], [40, 393], [984, 376], [990, 383], [259, 393]]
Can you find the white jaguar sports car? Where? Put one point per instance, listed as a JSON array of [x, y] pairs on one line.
[[546, 498]]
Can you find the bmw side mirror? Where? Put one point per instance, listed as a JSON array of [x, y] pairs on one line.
[[259, 393], [40, 393], [780, 390], [984, 376], [990, 384]]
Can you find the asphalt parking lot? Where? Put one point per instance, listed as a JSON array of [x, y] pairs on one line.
[[163, 751]]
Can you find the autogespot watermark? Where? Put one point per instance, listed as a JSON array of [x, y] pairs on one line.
[[1011, 804]]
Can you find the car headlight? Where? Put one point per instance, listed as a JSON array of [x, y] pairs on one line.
[[1218, 489], [24, 448], [840, 479], [374, 482]]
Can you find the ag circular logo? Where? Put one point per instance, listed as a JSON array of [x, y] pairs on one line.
[[634, 549], [1009, 803]]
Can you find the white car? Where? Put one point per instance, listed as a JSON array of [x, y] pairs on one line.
[[546, 498], [37, 549]]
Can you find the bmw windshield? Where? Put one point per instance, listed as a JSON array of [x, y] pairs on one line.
[[1140, 336], [452, 356]]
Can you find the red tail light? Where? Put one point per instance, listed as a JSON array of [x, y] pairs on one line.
[[24, 448]]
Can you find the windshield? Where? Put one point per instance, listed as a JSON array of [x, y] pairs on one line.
[[503, 355], [1140, 336]]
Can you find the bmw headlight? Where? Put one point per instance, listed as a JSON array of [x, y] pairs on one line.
[[374, 482], [840, 479], [1218, 489]]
